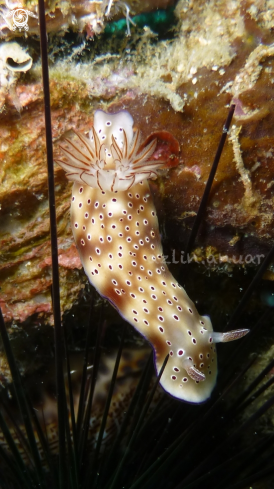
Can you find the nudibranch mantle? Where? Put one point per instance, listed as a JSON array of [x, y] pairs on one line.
[[116, 231]]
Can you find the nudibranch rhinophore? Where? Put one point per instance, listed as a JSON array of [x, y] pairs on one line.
[[116, 231]]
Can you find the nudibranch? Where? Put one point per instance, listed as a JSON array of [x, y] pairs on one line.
[[116, 231]]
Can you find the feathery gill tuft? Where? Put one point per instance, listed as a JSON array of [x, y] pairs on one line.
[[112, 159]]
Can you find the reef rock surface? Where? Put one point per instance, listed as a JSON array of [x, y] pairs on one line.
[[184, 84], [84, 16]]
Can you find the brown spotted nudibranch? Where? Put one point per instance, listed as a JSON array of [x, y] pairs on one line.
[[115, 228]]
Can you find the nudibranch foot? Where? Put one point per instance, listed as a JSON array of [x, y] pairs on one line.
[[116, 230]]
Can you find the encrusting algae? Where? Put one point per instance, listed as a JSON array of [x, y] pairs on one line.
[[88, 17]]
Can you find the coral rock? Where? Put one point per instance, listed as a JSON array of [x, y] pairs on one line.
[[221, 53]]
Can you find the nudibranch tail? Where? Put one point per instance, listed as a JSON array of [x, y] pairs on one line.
[[116, 230]]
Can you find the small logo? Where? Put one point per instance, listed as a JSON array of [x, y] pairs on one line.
[[19, 18]]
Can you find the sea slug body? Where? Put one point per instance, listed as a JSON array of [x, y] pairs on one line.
[[115, 227]]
